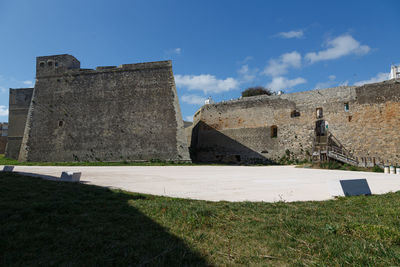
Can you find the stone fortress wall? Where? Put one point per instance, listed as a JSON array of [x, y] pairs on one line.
[[3, 136], [130, 112], [19, 102], [365, 119]]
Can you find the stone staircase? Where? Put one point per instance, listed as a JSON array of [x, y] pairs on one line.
[[328, 147]]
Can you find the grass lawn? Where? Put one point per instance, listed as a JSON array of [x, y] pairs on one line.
[[53, 223]]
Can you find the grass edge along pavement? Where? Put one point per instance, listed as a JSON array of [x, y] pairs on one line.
[[55, 223], [13, 162], [305, 164]]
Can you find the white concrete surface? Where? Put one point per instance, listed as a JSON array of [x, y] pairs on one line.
[[231, 183]]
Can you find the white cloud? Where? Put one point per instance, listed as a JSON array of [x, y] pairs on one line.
[[280, 66], [322, 85], [189, 118], [177, 50], [3, 89], [29, 83], [3, 111], [246, 59], [380, 77], [330, 83], [340, 46], [193, 99], [172, 52], [279, 83], [206, 83], [291, 34], [246, 74]]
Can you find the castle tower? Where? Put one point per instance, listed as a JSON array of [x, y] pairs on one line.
[[130, 112]]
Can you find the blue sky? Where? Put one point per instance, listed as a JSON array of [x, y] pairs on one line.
[[218, 48]]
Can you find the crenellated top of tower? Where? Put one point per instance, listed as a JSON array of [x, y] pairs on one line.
[[49, 65]]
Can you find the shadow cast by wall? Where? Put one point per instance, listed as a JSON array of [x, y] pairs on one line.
[[49, 223], [210, 145]]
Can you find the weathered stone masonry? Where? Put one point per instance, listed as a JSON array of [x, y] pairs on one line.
[[130, 112], [242, 130], [19, 102]]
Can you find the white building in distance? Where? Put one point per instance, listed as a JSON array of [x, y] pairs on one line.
[[395, 72], [209, 100]]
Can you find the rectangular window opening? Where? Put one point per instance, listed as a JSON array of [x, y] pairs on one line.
[[295, 113], [319, 113], [274, 131], [346, 107]]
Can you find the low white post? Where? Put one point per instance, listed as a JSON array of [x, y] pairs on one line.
[[386, 168], [392, 170]]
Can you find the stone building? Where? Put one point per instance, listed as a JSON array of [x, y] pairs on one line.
[[130, 112], [19, 102], [357, 124], [395, 72], [3, 136], [4, 129]]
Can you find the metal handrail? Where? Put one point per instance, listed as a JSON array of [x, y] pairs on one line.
[[335, 149], [341, 148]]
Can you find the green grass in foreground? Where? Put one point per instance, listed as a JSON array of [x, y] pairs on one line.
[[54, 223]]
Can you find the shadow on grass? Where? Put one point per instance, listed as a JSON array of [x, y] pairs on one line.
[[43, 176], [53, 223]]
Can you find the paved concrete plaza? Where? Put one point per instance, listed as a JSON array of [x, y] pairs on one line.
[[231, 183]]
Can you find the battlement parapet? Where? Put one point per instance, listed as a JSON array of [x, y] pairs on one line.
[[59, 65], [49, 65]]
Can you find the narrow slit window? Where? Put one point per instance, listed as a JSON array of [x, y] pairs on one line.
[[274, 131]]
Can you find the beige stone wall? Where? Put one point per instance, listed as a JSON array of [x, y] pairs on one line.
[[241, 129]]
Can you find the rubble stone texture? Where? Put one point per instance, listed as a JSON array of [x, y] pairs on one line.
[[19, 102], [240, 130], [130, 112]]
